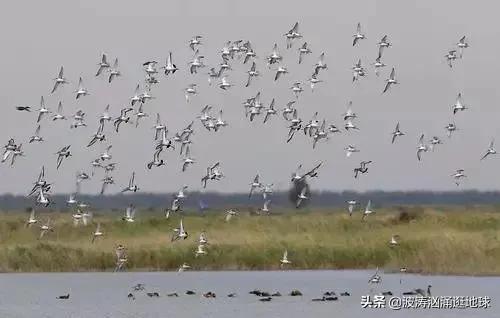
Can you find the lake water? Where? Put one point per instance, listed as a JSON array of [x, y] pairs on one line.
[[96, 295]]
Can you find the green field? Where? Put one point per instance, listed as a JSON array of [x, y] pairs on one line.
[[445, 240]]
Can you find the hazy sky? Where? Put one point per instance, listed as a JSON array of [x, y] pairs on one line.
[[40, 36]]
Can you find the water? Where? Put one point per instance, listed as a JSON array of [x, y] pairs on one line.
[[96, 295]]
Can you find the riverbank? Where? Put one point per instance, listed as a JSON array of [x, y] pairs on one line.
[[461, 241]]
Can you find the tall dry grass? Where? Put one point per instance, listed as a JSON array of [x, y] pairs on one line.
[[448, 240]]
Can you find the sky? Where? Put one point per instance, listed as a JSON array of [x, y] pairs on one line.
[[39, 37]]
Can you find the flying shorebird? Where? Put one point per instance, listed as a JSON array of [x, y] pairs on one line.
[[32, 218], [97, 233], [284, 261], [390, 81], [81, 91], [303, 50], [396, 133], [313, 80], [320, 65], [170, 67], [45, 228], [378, 65], [301, 196], [129, 214], [358, 35], [458, 106], [59, 114], [491, 150], [281, 70], [375, 278], [42, 110], [451, 56], [394, 241], [230, 214], [190, 91], [368, 210], [254, 185], [275, 56], [292, 35], [200, 250], [114, 71], [252, 73], [450, 128], [270, 111], [36, 137], [462, 44], [180, 233], [459, 174], [103, 64], [98, 136], [362, 168], [132, 187], [434, 141], [421, 147], [59, 80], [351, 204], [61, 154], [121, 257], [383, 44], [350, 149]]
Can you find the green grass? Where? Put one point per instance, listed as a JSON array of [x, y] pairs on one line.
[[446, 240]]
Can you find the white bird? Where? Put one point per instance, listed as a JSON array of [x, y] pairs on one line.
[[301, 196], [59, 80], [229, 214], [81, 91], [302, 51], [190, 91], [59, 115], [351, 204], [421, 147], [184, 267], [320, 65], [254, 185], [200, 250], [224, 84], [32, 218], [180, 233], [103, 64], [450, 128], [42, 110], [97, 233], [284, 261], [350, 149], [129, 214], [281, 70], [358, 35], [394, 242], [459, 174], [458, 106], [491, 150], [396, 133], [170, 67], [368, 210], [45, 228], [114, 71], [462, 44], [36, 137], [270, 111], [137, 96], [390, 81]]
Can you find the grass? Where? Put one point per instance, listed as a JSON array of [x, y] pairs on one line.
[[444, 240]]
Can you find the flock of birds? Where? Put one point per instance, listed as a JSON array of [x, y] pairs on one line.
[[213, 121]]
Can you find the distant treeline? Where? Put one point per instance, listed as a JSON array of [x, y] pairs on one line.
[[214, 200]]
